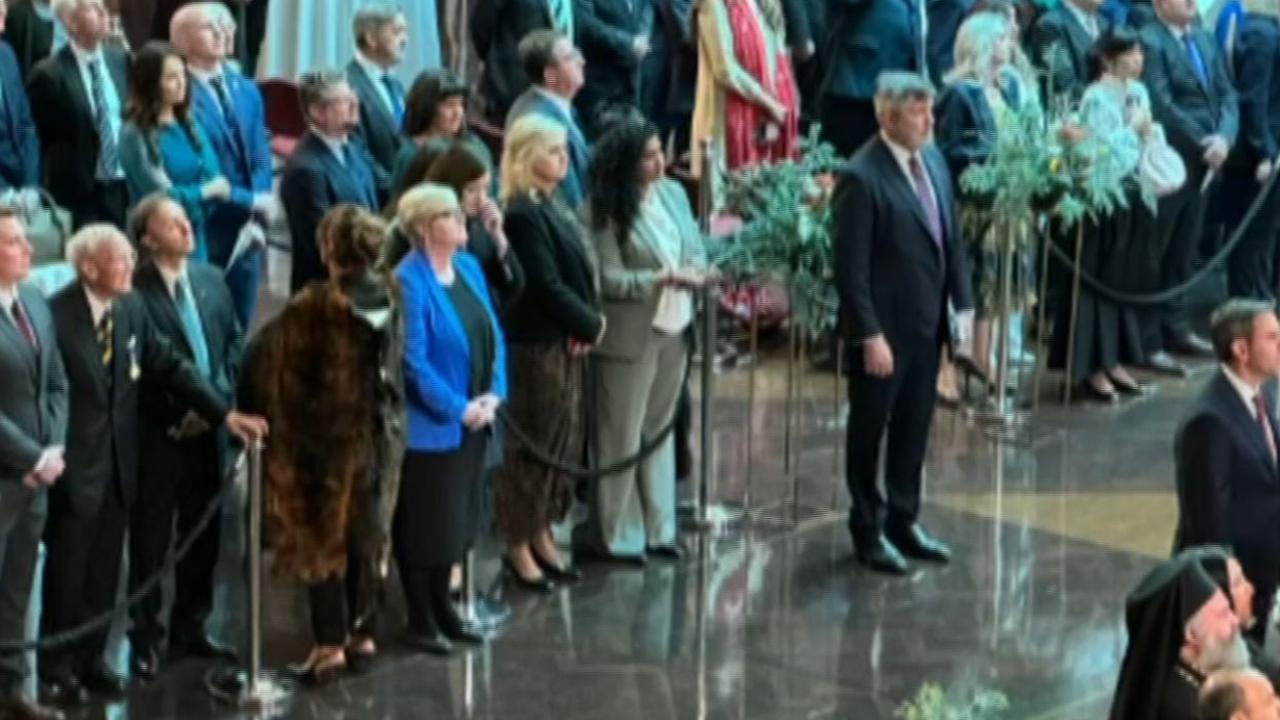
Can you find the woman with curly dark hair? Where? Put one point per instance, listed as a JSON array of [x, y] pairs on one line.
[[336, 351], [163, 147], [651, 256], [435, 109]]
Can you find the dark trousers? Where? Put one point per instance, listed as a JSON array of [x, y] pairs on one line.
[[108, 203], [1176, 243], [177, 487], [426, 594], [82, 570], [1251, 266], [20, 530], [847, 123], [337, 612], [898, 409]]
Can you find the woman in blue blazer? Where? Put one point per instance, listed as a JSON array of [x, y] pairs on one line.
[[455, 378]]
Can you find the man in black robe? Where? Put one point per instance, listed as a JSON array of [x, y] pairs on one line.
[[1181, 629], [1225, 570]]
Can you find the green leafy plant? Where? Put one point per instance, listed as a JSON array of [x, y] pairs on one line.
[[786, 231], [932, 702]]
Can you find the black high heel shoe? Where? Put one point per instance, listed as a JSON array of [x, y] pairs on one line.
[[540, 585], [969, 369], [320, 669], [1087, 391], [560, 573], [360, 661], [1126, 386]]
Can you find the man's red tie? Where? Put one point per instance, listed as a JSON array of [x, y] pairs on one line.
[[20, 318], [1264, 419]]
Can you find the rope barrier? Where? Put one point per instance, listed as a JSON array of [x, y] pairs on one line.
[[175, 556]]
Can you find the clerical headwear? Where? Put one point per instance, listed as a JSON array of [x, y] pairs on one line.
[[1156, 616]]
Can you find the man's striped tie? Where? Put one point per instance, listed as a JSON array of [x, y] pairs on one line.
[[106, 330]]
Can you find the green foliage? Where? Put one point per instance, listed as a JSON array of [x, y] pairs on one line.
[[932, 702], [786, 230]]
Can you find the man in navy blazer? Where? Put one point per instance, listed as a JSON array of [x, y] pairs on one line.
[[229, 107], [551, 59], [326, 169], [381, 36], [1227, 478], [19, 144]]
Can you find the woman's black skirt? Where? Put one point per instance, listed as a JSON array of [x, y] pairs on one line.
[[441, 499]]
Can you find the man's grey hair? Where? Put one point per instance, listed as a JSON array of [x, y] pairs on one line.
[[188, 15], [90, 240], [313, 86], [62, 7], [140, 216], [895, 88], [1232, 321], [372, 16]]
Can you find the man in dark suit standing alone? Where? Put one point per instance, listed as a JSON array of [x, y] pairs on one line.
[[326, 169], [33, 428], [108, 344], [77, 98], [180, 472], [1228, 482], [381, 35], [864, 39], [1193, 98], [899, 263]]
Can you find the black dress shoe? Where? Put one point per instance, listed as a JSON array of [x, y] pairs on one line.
[[101, 680], [539, 585], [1088, 391], [589, 552], [1189, 344], [65, 690], [435, 643], [916, 542], [1162, 363], [560, 573], [1125, 386], [201, 646], [144, 664], [16, 707], [881, 556], [667, 552]]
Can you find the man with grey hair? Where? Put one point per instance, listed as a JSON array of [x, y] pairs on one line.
[[77, 98], [381, 35], [899, 263], [327, 168], [109, 345]]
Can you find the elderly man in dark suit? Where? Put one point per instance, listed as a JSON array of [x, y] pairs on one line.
[[900, 263], [180, 472], [109, 344], [1060, 42], [77, 98], [556, 65], [33, 428], [229, 107], [497, 27], [381, 36], [327, 168], [865, 38], [1192, 97], [1225, 451]]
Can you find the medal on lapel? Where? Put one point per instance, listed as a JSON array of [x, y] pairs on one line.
[[135, 370]]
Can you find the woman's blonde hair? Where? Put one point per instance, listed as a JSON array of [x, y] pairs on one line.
[[425, 201], [531, 137], [976, 43]]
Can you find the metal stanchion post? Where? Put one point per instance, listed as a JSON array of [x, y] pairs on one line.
[[251, 687], [1042, 353], [479, 613], [1075, 308], [1005, 415]]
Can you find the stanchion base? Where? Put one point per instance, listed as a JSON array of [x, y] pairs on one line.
[[787, 513], [487, 616], [719, 519], [270, 694]]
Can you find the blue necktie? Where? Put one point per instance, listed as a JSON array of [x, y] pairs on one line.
[[219, 85], [358, 171], [1197, 60], [192, 326], [108, 150], [397, 98]]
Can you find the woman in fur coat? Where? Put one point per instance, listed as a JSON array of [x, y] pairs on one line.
[[328, 372]]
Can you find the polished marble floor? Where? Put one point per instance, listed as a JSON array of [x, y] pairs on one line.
[[773, 620]]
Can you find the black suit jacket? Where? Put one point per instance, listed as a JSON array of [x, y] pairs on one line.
[[605, 30], [378, 130], [867, 37], [33, 390], [68, 133], [1059, 45], [1188, 110], [892, 277], [560, 296], [1257, 64], [313, 182], [103, 434], [162, 408], [29, 34], [497, 26]]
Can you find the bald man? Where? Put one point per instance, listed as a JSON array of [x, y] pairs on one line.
[[1238, 695]]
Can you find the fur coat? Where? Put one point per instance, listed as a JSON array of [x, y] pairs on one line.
[[327, 373]]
